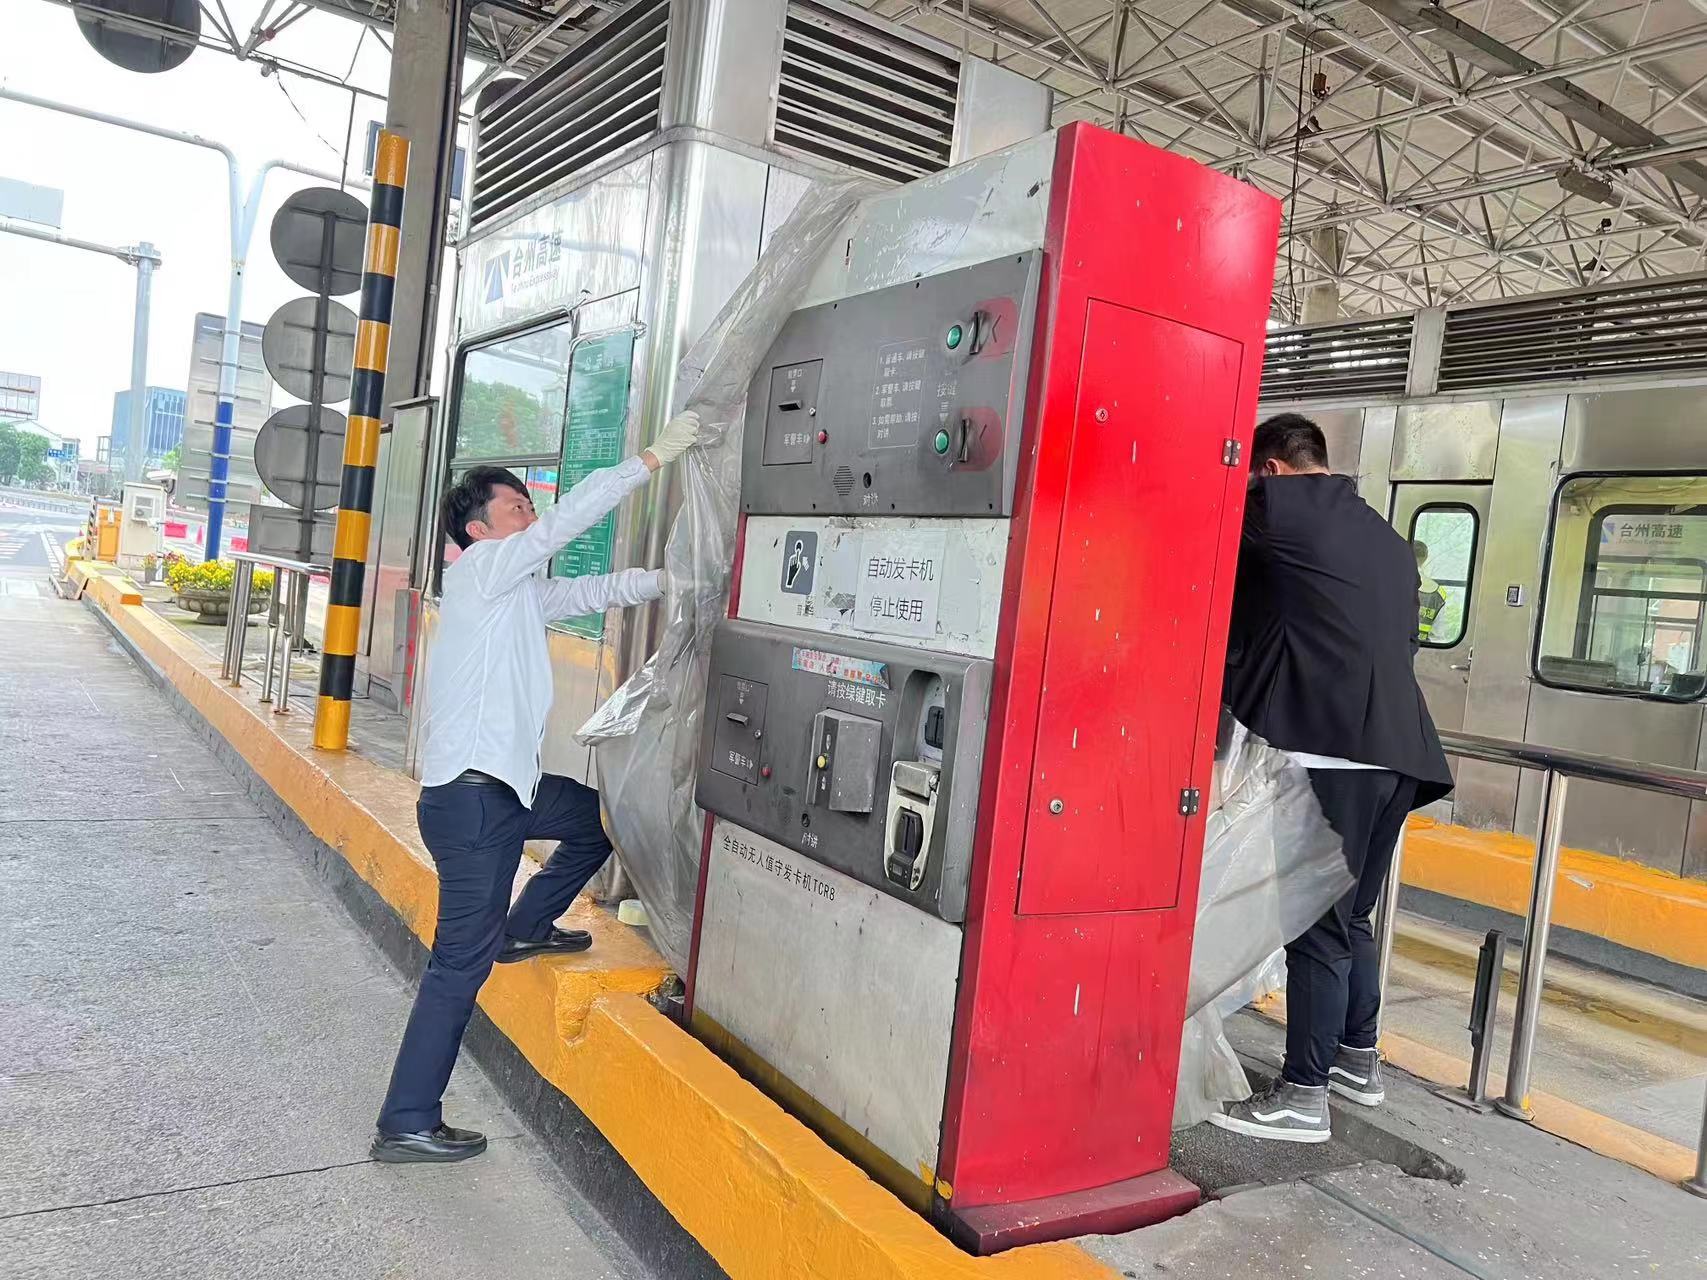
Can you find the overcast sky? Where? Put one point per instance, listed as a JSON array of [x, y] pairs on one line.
[[67, 313]]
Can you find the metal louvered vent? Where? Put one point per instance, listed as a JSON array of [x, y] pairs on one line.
[[1655, 327], [599, 97], [1333, 361], [862, 97]]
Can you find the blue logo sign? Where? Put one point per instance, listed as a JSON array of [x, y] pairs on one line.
[[497, 278]]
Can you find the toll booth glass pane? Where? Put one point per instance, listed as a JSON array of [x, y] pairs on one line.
[[510, 396], [1626, 589], [594, 438], [1443, 535]]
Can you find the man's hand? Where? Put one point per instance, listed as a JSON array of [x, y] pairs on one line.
[[679, 434]]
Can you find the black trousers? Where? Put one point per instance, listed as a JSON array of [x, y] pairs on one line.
[[1333, 979], [475, 832]]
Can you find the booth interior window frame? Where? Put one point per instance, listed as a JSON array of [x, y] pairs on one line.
[[1469, 583], [517, 464], [1591, 558]]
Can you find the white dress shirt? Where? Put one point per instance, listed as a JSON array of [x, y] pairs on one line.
[[1307, 761], [489, 673]]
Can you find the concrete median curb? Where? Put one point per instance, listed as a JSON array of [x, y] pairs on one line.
[[761, 1194], [1623, 902]]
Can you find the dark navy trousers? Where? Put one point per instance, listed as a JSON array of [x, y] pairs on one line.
[[1333, 969], [475, 832]]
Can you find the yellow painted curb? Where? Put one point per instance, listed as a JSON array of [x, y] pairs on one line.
[[105, 582], [1635, 906], [764, 1195]]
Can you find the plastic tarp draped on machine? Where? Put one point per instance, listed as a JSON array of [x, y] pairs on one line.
[[1271, 865], [645, 738]]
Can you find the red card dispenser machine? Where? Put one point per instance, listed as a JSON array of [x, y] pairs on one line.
[[963, 711]]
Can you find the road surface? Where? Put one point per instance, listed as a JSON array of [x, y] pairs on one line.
[[32, 541]]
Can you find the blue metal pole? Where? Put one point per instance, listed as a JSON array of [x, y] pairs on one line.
[[230, 353]]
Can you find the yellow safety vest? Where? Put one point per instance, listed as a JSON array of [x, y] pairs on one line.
[[1430, 601]]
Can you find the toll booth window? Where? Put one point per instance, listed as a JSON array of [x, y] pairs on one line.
[[511, 396], [1443, 535], [1626, 589]]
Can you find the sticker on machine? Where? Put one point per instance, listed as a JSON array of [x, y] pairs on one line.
[[900, 582], [860, 671]]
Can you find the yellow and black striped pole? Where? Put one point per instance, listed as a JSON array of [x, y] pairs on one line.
[[361, 446]]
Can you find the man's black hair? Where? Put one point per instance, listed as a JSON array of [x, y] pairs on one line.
[[1290, 438], [467, 500]]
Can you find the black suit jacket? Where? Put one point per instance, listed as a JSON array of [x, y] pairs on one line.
[[1325, 631]]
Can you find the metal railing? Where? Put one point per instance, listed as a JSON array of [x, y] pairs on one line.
[[287, 613], [1558, 767]]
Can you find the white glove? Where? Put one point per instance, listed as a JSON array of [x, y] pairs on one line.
[[679, 434]]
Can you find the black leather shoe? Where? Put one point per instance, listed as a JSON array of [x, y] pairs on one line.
[[557, 942], [441, 1146]]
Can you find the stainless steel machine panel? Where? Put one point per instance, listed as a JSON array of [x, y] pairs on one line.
[[1374, 455], [1617, 820], [862, 756], [1653, 429], [904, 401], [1446, 441], [807, 968], [1504, 609]]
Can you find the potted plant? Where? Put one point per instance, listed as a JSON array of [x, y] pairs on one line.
[[205, 589], [150, 569]]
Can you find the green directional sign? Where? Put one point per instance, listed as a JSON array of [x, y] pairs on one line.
[[599, 374]]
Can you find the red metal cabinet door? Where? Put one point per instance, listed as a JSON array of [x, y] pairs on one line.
[[1124, 663]]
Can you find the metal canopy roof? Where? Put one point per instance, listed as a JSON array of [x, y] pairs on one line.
[[1444, 152], [1427, 152]]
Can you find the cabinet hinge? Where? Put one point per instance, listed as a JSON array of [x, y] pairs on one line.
[[1190, 801]]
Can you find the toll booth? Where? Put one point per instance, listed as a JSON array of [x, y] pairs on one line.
[[960, 720], [140, 535], [102, 534]]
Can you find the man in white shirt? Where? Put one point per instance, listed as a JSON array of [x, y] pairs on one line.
[[482, 793]]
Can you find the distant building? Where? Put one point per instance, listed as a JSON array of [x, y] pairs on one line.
[[20, 396], [163, 424]]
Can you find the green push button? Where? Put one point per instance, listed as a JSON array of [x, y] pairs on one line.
[[941, 442], [955, 333]]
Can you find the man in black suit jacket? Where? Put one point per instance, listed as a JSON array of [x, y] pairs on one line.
[[1319, 664]]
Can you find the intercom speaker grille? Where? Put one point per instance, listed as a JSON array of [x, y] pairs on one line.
[[844, 480]]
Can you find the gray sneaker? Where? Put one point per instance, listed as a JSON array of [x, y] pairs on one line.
[[1356, 1074], [1284, 1112]]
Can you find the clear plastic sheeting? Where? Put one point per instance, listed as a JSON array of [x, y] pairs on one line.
[[1271, 867], [645, 738]]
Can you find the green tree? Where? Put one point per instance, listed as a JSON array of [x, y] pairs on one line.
[[32, 460], [172, 460], [9, 437], [498, 419]]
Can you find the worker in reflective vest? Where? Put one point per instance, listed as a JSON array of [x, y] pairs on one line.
[[1430, 598]]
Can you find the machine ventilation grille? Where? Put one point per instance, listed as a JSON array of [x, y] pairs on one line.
[[844, 480], [1654, 327], [1337, 361], [599, 97], [862, 97]]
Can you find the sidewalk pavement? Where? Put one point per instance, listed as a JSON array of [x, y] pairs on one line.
[[194, 1035]]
